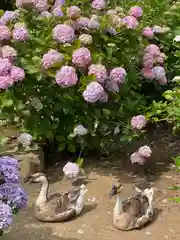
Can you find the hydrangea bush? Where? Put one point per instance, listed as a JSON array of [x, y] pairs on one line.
[[12, 196], [64, 72]]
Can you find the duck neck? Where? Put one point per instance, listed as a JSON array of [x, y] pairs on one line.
[[118, 209], [42, 198]]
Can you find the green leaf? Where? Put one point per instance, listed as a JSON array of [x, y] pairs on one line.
[[80, 162], [61, 147], [51, 73], [71, 147], [175, 199]]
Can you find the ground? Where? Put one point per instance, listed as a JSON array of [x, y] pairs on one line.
[[95, 222]]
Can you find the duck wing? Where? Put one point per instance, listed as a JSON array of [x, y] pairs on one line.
[[135, 206]]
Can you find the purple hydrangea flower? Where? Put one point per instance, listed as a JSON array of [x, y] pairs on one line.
[[159, 72], [111, 31], [8, 52], [57, 12], [20, 33], [5, 33], [8, 16], [66, 77], [5, 82], [5, 216], [59, 3], [5, 66], [93, 24], [10, 174], [118, 75], [82, 23], [104, 97], [17, 74], [99, 71], [136, 11], [15, 195], [94, 91], [51, 57], [130, 22], [63, 33], [9, 161], [98, 4], [112, 86], [81, 57]]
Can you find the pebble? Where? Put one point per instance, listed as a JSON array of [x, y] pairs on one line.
[[148, 233], [93, 199], [80, 231]]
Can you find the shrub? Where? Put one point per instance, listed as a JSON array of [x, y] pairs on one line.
[[73, 72]]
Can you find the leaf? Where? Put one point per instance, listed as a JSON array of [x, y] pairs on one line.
[[80, 162], [51, 73], [175, 199], [61, 147], [71, 147], [3, 140], [174, 188]]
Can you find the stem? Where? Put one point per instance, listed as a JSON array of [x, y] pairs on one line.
[[81, 151]]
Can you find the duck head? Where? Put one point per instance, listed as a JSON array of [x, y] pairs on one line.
[[35, 178], [116, 189]]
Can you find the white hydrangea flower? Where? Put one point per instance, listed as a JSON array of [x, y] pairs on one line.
[[80, 130], [25, 139], [86, 39], [71, 170], [177, 38], [176, 79], [36, 103], [159, 29]]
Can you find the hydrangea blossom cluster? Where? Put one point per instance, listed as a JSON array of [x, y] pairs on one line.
[[25, 139], [8, 16], [63, 33], [80, 130], [98, 4], [12, 195], [71, 170], [85, 39], [74, 12], [81, 57], [20, 32], [99, 71], [51, 57], [138, 122], [94, 92], [141, 155], [66, 77], [5, 33], [152, 61]]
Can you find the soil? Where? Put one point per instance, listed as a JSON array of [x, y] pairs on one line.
[[95, 222]]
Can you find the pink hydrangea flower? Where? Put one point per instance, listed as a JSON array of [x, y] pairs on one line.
[[99, 71], [5, 33], [147, 73], [23, 3], [63, 33], [51, 57], [57, 12], [118, 75], [112, 86], [81, 57], [136, 158], [74, 12], [136, 11], [5, 66], [160, 58], [148, 60], [130, 22], [94, 91], [138, 122], [104, 97], [163, 81], [41, 5], [17, 74], [66, 77], [8, 52], [148, 32], [5, 82], [46, 14], [153, 50], [98, 4], [20, 33], [145, 151], [71, 170], [159, 72]]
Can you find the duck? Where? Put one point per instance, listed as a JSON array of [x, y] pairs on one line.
[[134, 212], [57, 207]]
